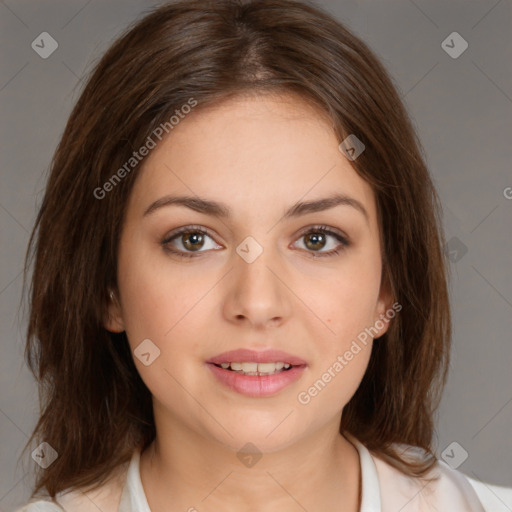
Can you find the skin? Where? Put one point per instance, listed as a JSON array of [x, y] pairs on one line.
[[259, 155]]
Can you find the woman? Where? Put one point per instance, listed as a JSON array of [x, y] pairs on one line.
[[239, 295]]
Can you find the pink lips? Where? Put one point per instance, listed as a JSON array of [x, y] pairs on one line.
[[254, 385]]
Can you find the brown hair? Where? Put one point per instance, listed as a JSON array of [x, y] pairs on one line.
[[95, 409]]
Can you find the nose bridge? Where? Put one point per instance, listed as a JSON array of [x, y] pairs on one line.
[[257, 292]]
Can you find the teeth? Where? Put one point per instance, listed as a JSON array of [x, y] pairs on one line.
[[256, 368], [266, 367], [247, 367]]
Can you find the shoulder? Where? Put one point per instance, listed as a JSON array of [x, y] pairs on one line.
[[453, 490], [495, 498], [40, 506], [105, 499]]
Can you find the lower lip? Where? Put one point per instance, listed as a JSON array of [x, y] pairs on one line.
[[254, 385]]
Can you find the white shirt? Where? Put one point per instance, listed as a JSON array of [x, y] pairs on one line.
[[384, 489]]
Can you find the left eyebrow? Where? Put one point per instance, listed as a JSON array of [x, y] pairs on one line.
[[221, 210], [327, 203]]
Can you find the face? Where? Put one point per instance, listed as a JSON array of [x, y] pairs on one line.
[[267, 275]]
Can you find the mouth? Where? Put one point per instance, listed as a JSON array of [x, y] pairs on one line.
[[257, 374], [256, 369], [241, 359]]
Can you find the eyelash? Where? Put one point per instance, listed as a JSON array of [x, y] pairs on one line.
[[198, 229]]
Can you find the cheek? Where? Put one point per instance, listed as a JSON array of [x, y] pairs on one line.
[[153, 298], [166, 305], [158, 312], [347, 305], [330, 388], [342, 353], [349, 300]]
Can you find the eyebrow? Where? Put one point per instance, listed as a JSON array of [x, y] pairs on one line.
[[221, 210]]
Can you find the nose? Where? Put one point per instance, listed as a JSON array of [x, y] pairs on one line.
[[256, 292]]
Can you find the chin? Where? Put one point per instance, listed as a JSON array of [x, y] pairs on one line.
[[254, 438]]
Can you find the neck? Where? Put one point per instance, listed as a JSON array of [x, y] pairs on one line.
[[183, 470]]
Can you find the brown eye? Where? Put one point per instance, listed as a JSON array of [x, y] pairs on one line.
[[193, 240], [187, 241], [317, 238], [315, 241]]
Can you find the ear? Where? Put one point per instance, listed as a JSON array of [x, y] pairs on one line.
[[385, 310], [113, 318]]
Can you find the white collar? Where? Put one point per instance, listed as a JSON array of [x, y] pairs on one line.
[[133, 498]]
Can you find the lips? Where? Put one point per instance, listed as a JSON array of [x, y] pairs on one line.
[[259, 385], [252, 356]]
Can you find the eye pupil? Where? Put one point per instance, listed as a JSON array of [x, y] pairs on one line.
[[315, 238], [192, 238]]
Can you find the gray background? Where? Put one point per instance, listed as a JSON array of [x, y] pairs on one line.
[[462, 109]]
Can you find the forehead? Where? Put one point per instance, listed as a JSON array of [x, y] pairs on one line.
[[259, 151]]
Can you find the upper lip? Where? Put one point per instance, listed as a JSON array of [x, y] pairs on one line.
[[244, 355]]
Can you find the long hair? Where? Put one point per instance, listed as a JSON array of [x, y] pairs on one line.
[[95, 409]]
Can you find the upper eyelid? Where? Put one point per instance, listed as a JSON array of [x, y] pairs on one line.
[[187, 229]]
